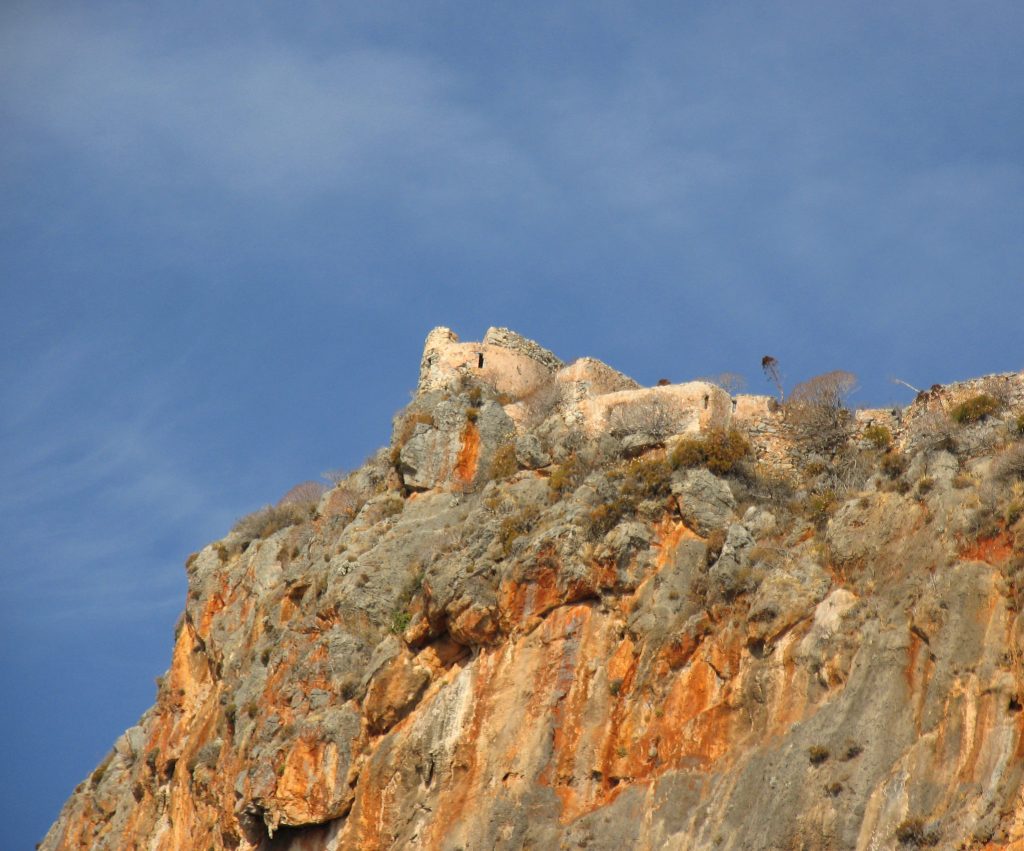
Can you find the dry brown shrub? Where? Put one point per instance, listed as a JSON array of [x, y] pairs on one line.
[[715, 543], [652, 416], [567, 476], [816, 413], [932, 430], [731, 382], [405, 425], [304, 492], [541, 402], [265, 521], [724, 450], [688, 452], [515, 525], [1008, 466], [503, 462]]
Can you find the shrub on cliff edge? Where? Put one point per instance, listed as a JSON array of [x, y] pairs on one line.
[[720, 451], [975, 409]]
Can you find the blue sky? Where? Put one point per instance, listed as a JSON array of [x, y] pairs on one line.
[[225, 232]]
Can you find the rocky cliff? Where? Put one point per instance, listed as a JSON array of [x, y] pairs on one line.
[[561, 610]]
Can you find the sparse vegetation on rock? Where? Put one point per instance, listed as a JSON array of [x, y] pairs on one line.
[[601, 640], [975, 409]]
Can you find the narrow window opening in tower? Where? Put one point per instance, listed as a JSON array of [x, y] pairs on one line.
[[480, 360], [706, 399]]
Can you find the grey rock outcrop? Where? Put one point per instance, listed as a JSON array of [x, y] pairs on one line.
[[501, 632]]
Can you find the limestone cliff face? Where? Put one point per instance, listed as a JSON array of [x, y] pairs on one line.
[[527, 625]]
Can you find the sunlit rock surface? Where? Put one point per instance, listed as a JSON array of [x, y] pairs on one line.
[[491, 636]]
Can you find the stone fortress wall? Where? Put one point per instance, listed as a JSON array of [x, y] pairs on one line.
[[509, 363], [593, 395]]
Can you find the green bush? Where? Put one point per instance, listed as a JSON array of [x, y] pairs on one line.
[[400, 620], [719, 450], [975, 409], [878, 436]]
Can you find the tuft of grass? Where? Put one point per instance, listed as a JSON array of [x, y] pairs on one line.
[[715, 542], [912, 831], [566, 477], [818, 754], [392, 506], [503, 462], [400, 620], [515, 525], [606, 516], [688, 452], [101, 769], [404, 430], [851, 750]]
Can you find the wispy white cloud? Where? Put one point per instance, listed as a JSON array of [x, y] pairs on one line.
[[92, 491], [261, 121]]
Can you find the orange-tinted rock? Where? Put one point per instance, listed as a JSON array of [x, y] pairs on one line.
[[561, 693]]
